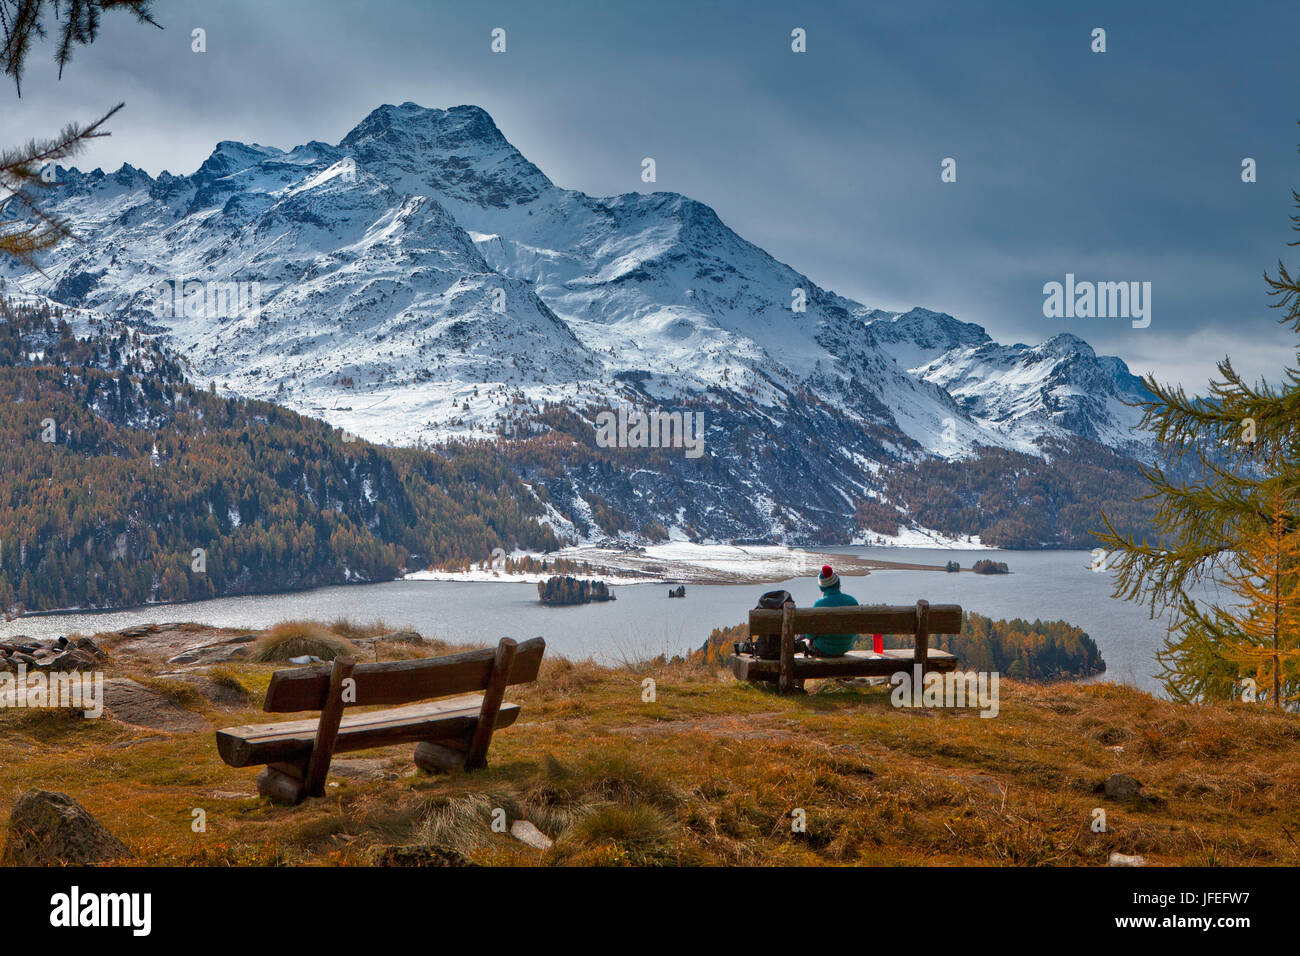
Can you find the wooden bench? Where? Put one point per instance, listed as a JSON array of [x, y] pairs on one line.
[[789, 672], [449, 734]]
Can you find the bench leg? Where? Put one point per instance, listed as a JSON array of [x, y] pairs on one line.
[[282, 782], [922, 652], [487, 718], [786, 683], [327, 730], [774, 684]]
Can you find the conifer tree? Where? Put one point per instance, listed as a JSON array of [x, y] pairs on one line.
[[1234, 522]]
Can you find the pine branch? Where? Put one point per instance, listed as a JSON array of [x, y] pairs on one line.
[[22, 23], [33, 230]]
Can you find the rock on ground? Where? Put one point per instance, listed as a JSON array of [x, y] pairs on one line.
[[415, 856], [133, 703], [48, 828], [1120, 786], [363, 768], [526, 832]]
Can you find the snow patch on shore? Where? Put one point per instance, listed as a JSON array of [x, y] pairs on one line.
[[916, 537]]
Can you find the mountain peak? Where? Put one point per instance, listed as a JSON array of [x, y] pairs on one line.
[[920, 335], [1067, 343], [457, 154], [229, 156]]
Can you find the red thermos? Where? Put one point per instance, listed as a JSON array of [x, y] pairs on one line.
[[878, 643]]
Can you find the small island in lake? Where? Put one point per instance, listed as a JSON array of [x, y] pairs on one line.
[[986, 566], [679, 591], [569, 590]]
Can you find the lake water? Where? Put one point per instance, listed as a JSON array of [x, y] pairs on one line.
[[644, 622]]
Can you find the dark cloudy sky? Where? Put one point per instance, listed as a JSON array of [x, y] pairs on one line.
[[1117, 166]]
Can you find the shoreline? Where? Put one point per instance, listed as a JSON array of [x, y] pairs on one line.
[[676, 562], [683, 562]]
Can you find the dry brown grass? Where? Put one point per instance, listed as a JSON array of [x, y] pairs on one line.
[[296, 638], [354, 630], [711, 772]]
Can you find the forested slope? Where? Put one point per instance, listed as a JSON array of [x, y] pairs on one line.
[[115, 471]]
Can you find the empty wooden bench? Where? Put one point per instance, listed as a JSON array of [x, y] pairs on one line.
[[452, 733], [789, 672]]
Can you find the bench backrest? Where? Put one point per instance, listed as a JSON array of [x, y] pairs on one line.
[[403, 682], [863, 619]]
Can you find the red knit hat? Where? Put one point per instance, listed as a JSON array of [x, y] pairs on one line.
[[828, 578]]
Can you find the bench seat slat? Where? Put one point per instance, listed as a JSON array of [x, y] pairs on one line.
[[287, 741], [852, 664]]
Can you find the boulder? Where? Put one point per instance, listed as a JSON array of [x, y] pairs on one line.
[[89, 646], [1120, 786], [70, 660], [48, 828]]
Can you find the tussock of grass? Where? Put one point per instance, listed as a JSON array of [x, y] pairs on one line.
[[461, 823], [353, 630], [401, 651], [611, 776], [296, 638], [226, 677], [616, 834], [179, 692], [563, 676]]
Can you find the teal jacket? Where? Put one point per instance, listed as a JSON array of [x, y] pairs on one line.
[[833, 645]]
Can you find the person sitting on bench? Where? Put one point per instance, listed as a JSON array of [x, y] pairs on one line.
[[830, 645]]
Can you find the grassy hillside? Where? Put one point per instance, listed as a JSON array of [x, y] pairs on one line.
[[709, 773]]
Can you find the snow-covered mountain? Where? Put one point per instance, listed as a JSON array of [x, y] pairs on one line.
[[1061, 384], [919, 336], [422, 280], [1025, 392]]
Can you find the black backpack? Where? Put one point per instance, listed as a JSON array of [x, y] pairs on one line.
[[767, 646], [775, 600]]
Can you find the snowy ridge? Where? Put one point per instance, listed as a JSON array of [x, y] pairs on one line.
[[422, 280]]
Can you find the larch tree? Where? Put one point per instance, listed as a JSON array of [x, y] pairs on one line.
[[1234, 524], [1250, 648]]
